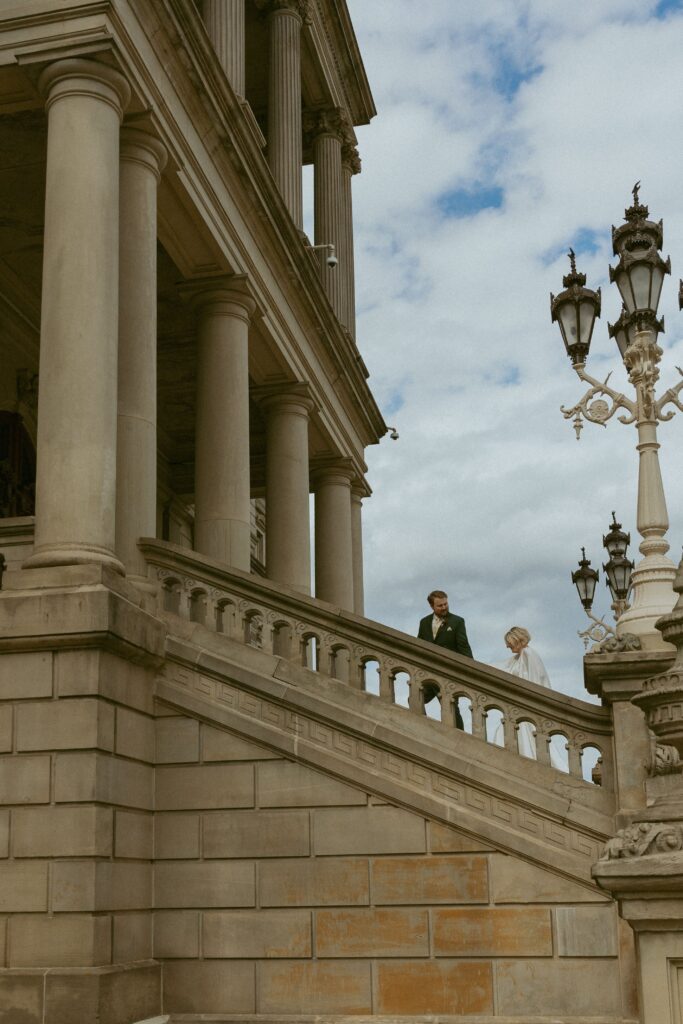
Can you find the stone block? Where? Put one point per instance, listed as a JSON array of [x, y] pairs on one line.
[[209, 986], [568, 988], [586, 931], [98, 672], [134, 835], [6, 732], [176, 836], [177, 740], [100, 885], [372, 933], [443, 839], [108, 997], [132, 938], [314, 883], [134, 735], [314, 987], [84, 831], [458, 987], [24, 780], [205, 884], [256, 834], [499, 931], [3, 942], [82, 778], [4, 833], [65, 725], [176, 934], [517, 881], [25, 676], [367, 830], [218, 745], [286, 784], [444, 879], [64, 941], [21, 997], [205, 786], [23, 886], [258, 934]]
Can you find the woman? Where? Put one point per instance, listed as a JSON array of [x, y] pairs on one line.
[[526, 664]]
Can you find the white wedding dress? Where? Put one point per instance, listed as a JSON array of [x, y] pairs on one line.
[[528, 665]]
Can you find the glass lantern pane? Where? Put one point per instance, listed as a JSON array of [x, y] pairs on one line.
[[621, 338], [622, 575], [657, 281], [640, 283], [586, 320], [624, 286], [568, 319]]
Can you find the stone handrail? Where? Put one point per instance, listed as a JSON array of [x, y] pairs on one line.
[[278, 620]]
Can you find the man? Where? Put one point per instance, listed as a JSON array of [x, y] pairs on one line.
[[446, 630]]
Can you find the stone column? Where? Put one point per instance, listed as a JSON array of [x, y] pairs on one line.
[[347, 273], [333, 535], [357, 495], [288, 533], [326, 129], [77, 405], [224, 20], [285, 20], [222, 481], [142, 160]]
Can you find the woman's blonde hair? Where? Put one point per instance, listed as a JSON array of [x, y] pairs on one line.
[[518, 633]]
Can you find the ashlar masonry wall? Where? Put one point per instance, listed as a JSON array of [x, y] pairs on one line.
[[280, 890]]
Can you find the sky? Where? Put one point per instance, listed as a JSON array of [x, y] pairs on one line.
[[507, 131]]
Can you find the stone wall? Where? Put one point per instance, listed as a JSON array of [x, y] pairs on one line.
[[280, 890]]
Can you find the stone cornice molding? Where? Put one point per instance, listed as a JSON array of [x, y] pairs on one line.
[[298, 8]]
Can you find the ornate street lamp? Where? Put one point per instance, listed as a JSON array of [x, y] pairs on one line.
[[639, 275], [618, 568], [585, 579]]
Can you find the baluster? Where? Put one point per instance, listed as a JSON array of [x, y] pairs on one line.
[[542, 741], [574, 756], [326, 660], [185, 599], [607, 765], [282, 640], [479, 715], [415, 697], [342, 665], [267, 636], [386, 683], [447, 706]]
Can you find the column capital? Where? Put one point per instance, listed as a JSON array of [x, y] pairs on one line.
[[138, 146], [332, 121], [298, 8], [295, 396], [227, 294], [350, 158], [333, 470], [75, 76], [360, 489]]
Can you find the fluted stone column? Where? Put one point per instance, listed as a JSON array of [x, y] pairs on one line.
[[285, 158], [326, 129], [222, 481], [357, 495], [224, 20], [333, 535], [142, 159], [347, 273], [288, 533], [77, 405]]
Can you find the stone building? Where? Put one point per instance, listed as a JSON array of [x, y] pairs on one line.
[[208, 806]]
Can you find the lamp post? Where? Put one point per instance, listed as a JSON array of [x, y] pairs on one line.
[[618, 578], [639, 275]]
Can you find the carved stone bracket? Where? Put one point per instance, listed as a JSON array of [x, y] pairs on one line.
[[618, 644], [645, 839]]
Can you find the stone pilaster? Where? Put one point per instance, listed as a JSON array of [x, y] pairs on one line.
[[327, 130], [222, 480], [285, 20], [334, 579], [357, 495], [224, 20], [288, 532], [142, 160], [350, 166], [77, 419]]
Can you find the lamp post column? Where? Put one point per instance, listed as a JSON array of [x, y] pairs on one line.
[[224, 20], [77, 404], [334, 579], [288, 531], [222, 472], [142, 160]]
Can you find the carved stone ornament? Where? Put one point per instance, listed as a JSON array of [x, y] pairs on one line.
[[645, 839], [300, 7], [618, 644], [666, 760], [350, 158], [330, 121]]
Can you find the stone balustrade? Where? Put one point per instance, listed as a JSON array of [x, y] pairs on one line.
[[494, 705]]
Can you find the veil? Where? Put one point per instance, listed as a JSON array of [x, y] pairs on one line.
[[528, 665]]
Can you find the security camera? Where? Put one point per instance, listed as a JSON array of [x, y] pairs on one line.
[[393, 433], [332, 260]]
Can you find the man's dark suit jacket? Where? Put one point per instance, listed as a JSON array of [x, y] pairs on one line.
[[453, 636], [452, 633]]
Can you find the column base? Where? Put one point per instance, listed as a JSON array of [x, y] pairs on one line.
[[44, 556]]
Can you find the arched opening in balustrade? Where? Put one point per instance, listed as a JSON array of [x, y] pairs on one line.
[[464, 706], [253, 627], [340, 663], [310, 651], [199, 600], [225, 611], [495, 731], [172, 590], [400, 688], [370, 679], [282, 638], [558, 749], [591, 764], [526, 739], [431, 697]]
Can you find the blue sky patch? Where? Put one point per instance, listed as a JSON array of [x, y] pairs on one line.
[[665, 7], [465, 202]]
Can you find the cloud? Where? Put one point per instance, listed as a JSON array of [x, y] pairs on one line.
[[507, 131]]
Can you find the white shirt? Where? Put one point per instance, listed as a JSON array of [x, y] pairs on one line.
[[436, 625]]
